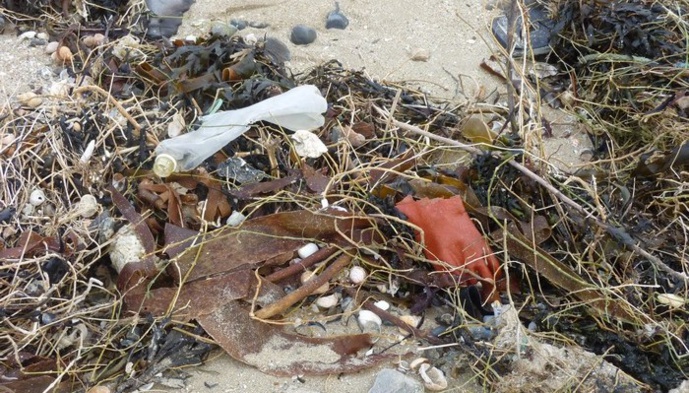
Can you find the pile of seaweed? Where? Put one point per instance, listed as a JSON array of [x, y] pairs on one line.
[[595, 258]]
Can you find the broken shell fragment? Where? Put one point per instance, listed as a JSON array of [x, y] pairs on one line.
[[307, 250], [416, 363], [357, 274], [307, 275], [87, 206], [307, 144], [30, 99], [126, 248], [411, 320], [329, 301], [433, 379], [235, 219], [671, 300]]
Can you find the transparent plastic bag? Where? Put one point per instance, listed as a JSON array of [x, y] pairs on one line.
[[298, 109]]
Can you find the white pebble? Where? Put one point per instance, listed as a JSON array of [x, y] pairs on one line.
[[357, 274], [51, 47], [382, 304], [307, 250], [27, 35], [37, 197], [368, 318], [42, 36]]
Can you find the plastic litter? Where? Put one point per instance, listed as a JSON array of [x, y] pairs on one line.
[[298, 109]]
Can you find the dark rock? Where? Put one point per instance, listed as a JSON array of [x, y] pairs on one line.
[[239, 24], [302, 35], [336, 19], [277, 50], [167, 16]]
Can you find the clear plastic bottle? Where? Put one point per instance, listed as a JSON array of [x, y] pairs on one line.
[[298, 109]]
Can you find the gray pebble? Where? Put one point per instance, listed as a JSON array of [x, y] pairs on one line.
[[239, 23], [302, 35], [388, 380], [222, 29], [336, 19]]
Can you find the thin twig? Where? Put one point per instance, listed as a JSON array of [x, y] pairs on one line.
[[306, 289]]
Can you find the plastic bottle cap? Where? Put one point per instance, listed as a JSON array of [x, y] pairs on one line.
[[164, 165]]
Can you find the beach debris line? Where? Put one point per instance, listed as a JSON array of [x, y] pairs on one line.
[[218, 245]]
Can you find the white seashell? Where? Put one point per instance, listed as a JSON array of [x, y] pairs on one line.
[[433, 379], [416, 363], [126, 248], [307, 144], [88, 152], [51, 47], [368, 318], [382, 304], [671, 300], [88, 206], [357, 274], [235, 219], [307, 275], [329, 301], [307, 250], [37, 197]]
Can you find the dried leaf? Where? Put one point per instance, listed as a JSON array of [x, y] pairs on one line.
[[273, 351], [263, 238]]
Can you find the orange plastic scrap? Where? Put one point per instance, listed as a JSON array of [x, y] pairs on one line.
[[451, 237]]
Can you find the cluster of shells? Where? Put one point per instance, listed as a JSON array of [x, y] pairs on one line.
[[433, 378]]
